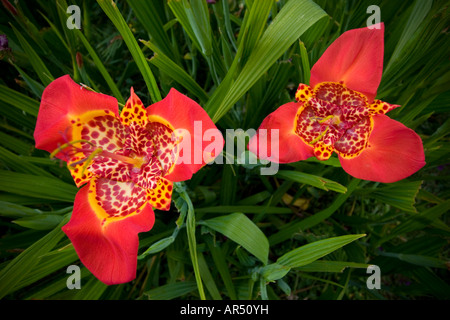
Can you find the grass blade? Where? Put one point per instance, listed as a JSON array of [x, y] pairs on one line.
[[38, 65], [316, 181], [190, 229], [315, 250], [111, 10], [289, 229], [19, 100], [20, 266], [36, 186], [294, 18], [243, 231]]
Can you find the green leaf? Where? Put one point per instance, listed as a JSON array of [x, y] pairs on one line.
[[14, 144], [165, 64], [263, 289], [13, 210], [160, 244], [308, 276], [40, 222], [254, 199], [419, 12], [92, 290], [171, 291], [243, 231], [274, 271], [289, 229], [38, 65], [208, 279], [193, 15], [315, 181], [219, 258], [255, 21], [401, 194], [315, 250], [190, 229], [57, 260], [36, 87], [150, 16], [57, 289], [306, 69], [101, 68], [284, 286], [418, 221], [432, 283], [111, 10], [244, 209], [295, 17], [331, 266], [36, 186], [19, 164], [416, 259], [19, 100], [19, 267], [332, 161]]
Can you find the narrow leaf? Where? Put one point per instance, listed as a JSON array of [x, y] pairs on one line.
[[294, 18], [111, 10], [171, 291], [20, 266], [315, 250], [36, 186], [316, 181], [243, 231]]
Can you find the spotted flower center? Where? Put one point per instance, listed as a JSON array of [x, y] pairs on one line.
[[125, 153], [125, 159], [335, 118]]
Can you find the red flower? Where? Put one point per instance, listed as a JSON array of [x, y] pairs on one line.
[[128, 163], [337, 112]]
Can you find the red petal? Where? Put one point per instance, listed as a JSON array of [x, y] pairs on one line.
[[291, 147], [394, 153], [356, 58], [62, 101], [180, 113], [109, 249]]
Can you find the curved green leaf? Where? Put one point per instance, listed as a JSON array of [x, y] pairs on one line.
[[111, 10], [315, 250], [243, 231], [315, 181]]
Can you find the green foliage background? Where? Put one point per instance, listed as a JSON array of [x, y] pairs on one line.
[[308, 232]]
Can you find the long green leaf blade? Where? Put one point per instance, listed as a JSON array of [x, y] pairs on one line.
[[243, 231], [36, 186], [111, 10], [316, 181], [38, 65], [315, 250], [295, 17], [20, 266], [19, 100]]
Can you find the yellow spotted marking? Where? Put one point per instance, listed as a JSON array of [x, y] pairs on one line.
[[304, 93], [381, 107], [161, 196], [134, 111], [323, 151], [79, 175]]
